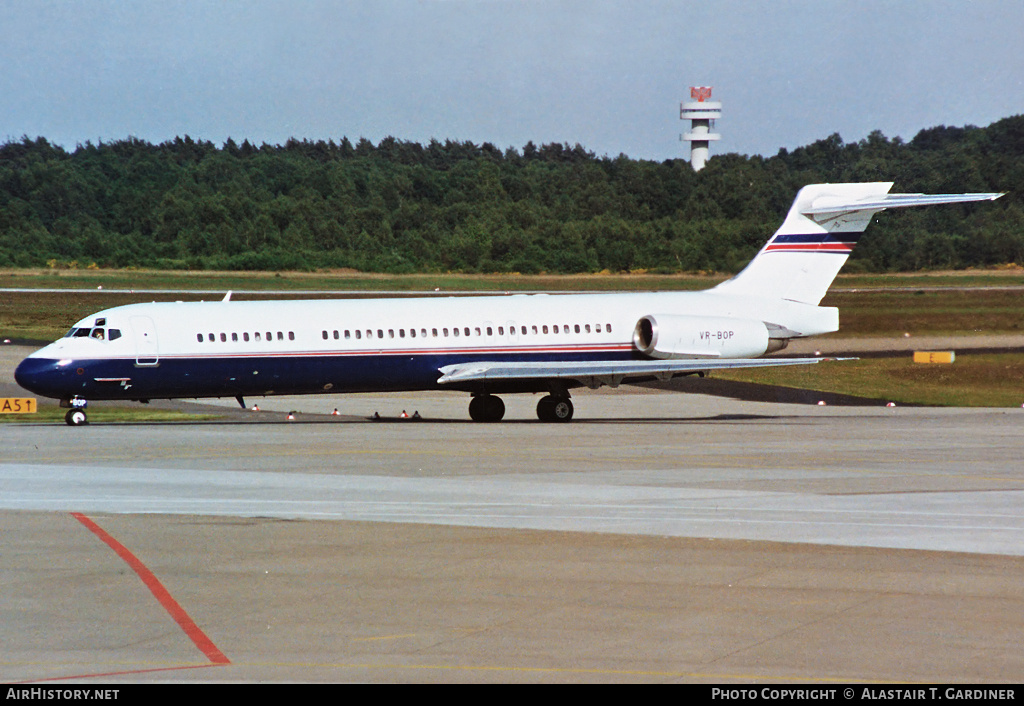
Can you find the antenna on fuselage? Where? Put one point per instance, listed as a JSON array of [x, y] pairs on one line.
[[227, 297]]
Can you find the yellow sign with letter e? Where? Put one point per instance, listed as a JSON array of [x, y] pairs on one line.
[[934, 356], [18, 405]]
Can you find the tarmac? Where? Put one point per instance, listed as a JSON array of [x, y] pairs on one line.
[[659, 537]]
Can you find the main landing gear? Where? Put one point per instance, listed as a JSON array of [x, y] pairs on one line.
[[552, 408], [486, 408]]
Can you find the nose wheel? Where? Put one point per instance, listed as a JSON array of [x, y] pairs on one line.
[[76, 418]]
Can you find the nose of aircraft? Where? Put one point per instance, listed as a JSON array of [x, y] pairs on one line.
[[42, 376]]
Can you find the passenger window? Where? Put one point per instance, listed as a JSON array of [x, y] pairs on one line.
[[598, 328], [401, 333], [210, 337], [534, 329], [234, 337], [325, 335], [291, 335], [423, 333], [257, 335], [445, 332], [523, 329], [359, 334], [576, 328], [477, 329], [490, 331], [348, 334], [501, 330], [455, 332], [270, 335], [380, 333], [466, 330], [245, 336], [554, 329], [433, 332], [587, 327], [223, 338], [391, 333], [608, 328], [545, 329], [199, 337], [280, 336]]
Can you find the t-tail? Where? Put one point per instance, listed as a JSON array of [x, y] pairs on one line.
[[804, 256]]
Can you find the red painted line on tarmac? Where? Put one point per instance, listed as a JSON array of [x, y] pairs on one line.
[[121, 673], [198, 637]]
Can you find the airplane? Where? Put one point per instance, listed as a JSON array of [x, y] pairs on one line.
[[481, 345]]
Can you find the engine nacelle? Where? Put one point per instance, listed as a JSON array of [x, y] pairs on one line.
[[669, 336]]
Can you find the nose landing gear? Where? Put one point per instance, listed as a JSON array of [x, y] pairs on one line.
[[75, 416]]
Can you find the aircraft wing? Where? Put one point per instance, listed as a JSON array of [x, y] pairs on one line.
[[605, 372]]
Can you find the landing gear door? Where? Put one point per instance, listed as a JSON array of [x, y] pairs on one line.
[[147, 351]]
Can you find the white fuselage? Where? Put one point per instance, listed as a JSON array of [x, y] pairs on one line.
[[197, 349]]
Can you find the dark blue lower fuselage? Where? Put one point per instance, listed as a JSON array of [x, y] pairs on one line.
[[175, 377]]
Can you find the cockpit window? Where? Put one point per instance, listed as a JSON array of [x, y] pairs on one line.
[[97, 332]]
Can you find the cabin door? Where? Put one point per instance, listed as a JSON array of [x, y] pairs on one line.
[[147, 350]]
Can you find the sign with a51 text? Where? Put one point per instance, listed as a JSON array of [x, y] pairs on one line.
[[17, 405]]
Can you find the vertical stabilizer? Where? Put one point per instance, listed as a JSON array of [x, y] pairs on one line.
[[805, 255], [823, 226]]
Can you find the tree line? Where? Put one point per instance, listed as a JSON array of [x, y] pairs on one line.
[[401, 207]]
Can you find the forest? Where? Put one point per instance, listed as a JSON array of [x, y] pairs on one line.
[[402, 207]]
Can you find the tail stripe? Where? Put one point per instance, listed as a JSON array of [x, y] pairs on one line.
[[818, 248], [850, 238], [813, 242]]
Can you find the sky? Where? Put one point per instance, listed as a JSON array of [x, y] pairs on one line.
[[604, 74]]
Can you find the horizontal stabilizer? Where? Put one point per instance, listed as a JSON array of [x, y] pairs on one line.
[[832, 205], [604, 372]]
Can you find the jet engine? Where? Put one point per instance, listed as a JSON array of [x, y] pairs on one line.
[[669, 336]]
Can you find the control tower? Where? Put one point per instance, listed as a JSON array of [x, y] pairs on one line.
[[702, 113]]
